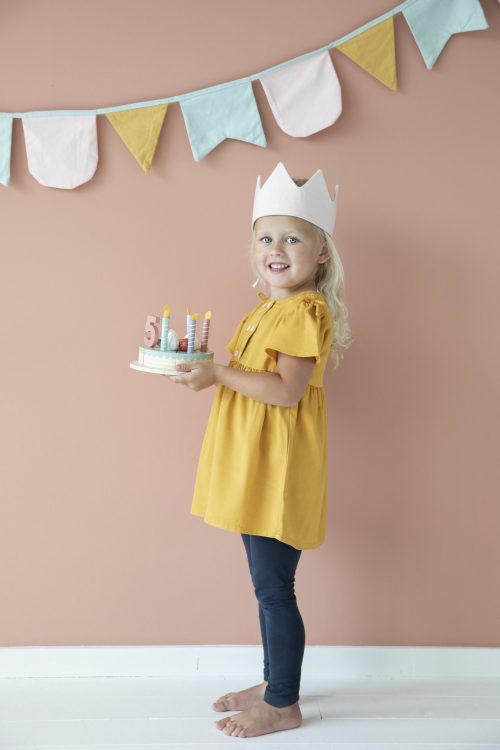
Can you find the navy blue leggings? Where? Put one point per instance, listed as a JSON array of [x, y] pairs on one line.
[[272, 567]]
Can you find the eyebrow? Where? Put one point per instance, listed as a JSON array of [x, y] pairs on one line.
[[286, 231]]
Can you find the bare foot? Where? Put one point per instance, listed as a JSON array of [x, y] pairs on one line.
[[240, 700], [261, 718]]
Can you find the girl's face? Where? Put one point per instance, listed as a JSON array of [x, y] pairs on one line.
[[287, 253]]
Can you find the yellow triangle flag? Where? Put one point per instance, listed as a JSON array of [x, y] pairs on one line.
[[139, 129], [374, 51]]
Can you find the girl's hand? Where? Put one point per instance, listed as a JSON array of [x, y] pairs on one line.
[[197, 375]]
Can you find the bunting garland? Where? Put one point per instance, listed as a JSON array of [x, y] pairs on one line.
[[374, 51], [213, 116], [432, 23], [5, 146], [140, 129], [304, 95], [62, 151]]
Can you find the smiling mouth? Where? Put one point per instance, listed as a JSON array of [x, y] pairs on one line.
[[276, 267]]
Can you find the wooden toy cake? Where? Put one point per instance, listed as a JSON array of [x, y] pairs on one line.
[[162, 351]]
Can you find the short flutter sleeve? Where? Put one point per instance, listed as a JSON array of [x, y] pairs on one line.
[[299, 331]]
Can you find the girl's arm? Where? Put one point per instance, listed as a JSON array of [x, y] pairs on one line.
[[282, 388]]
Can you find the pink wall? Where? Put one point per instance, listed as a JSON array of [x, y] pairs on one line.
[[97, 543]]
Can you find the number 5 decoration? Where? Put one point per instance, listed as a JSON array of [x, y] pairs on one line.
[[152, 330]]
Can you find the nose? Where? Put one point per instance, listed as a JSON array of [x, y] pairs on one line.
[[276, 247]]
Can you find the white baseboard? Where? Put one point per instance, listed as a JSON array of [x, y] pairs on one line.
[[382, 662]]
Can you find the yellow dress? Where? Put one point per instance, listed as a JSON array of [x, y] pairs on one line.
[[263, 468]]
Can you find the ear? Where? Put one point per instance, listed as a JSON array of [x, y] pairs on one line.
[[324, 254]]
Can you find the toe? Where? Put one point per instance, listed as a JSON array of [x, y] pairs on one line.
[[224, 724], [221, 703]]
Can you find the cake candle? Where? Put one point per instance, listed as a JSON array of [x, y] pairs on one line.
[[164, 329], [192, 332], [204, 333]]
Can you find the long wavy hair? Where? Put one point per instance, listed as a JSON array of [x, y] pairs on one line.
[[329, 280]]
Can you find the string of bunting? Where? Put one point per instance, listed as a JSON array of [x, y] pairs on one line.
[[304, 95]]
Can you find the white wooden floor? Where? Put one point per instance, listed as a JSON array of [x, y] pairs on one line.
[[131, 713]]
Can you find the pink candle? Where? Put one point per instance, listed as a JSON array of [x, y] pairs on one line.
[[204, 333]]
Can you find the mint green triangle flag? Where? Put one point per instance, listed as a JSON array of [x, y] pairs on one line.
[[5, 147], [215, 115], [433, 22]]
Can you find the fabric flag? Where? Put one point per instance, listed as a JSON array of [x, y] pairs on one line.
[[305, 97], [62, 150], [5, 147], [140, 129], [433, 23], [213, 116], [374, 51]]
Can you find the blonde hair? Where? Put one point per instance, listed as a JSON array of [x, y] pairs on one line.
[[329, 280]]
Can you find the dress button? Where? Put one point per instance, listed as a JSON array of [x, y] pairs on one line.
[[252, 328], [236, 353], [249, 328]]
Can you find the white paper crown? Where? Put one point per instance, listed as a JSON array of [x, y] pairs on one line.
[[281, 196]]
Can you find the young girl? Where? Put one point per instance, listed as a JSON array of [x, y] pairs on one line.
[[262, 469]]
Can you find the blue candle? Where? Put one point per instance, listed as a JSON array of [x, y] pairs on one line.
[[164, 328], [192, 333]]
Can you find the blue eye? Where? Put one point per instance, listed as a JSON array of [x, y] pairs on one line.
[[266, 237]]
